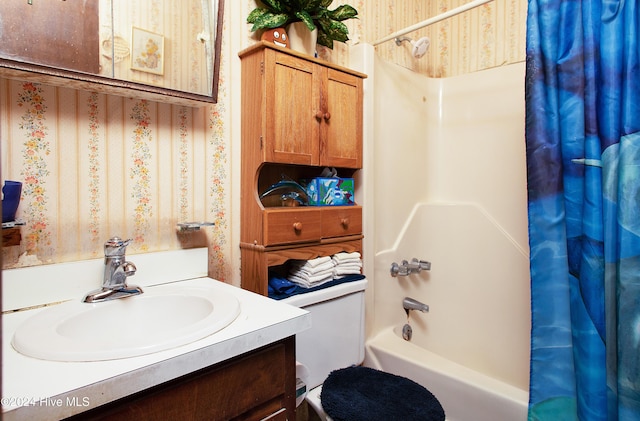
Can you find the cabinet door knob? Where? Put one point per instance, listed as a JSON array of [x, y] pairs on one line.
[[297, 226], [327, 115], [345, 222], [319, 115]]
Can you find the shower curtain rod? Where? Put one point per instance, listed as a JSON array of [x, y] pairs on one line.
[[431, 21]]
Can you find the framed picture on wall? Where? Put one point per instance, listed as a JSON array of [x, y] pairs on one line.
[[147, 51]]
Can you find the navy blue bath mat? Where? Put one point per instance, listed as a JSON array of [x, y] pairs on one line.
[[365, 394]]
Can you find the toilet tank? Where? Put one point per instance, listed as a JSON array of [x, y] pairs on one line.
[[336, 337]]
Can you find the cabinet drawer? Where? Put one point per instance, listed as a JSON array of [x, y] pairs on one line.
[[340, 221], [291, 226]]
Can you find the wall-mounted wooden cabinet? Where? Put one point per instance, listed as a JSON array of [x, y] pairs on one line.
[[136, 49], [314, 121], [299, 115]]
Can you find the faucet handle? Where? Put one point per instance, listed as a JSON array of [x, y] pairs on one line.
[[115, 246], [421, 264], [399, 270], [413, 266]]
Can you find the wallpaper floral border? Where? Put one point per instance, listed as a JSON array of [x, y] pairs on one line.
[[185, 158], [93, 149], [218, 192], [140, 173], [35, 170]]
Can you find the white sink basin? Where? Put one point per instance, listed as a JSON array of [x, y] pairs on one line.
[[161, 318]]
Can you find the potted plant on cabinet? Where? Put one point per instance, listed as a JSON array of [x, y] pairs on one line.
[[313, 14]]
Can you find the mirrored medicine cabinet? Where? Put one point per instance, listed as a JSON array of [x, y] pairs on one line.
[[164, 50]]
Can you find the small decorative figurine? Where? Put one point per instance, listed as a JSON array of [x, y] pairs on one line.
[[276, 35]]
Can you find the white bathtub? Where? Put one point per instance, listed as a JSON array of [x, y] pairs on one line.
[[471, 350], [465, 394]]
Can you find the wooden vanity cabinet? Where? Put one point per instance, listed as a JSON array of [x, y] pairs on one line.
[[258, 385], [299, 115]]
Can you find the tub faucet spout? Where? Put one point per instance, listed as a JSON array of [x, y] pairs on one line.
[[410, 304]]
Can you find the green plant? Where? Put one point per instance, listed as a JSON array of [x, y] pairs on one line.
[[314, 14]]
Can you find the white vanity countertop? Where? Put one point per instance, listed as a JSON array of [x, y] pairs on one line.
[[50, 390]]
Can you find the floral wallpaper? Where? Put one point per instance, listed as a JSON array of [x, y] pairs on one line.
[[95, 165]]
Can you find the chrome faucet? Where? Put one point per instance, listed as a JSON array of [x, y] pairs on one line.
[[410, 304], [407, 268], [116, 271]]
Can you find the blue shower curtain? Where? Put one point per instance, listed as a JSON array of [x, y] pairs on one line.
[[583, 169]]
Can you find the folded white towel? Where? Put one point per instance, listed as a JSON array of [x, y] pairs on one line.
[[316, 268], [312, 262], [346, 270], [310, 281], [350, 263], [314, 272], [312, 276], [357, 264], [344, 256]]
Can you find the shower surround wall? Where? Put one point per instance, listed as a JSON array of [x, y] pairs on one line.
[[450, 182]]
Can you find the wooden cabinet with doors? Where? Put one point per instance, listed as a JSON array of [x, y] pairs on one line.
[[299, 115]]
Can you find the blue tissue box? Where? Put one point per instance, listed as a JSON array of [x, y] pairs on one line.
[[333, 191]]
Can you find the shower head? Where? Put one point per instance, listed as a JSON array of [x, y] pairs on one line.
[[420, 46]]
